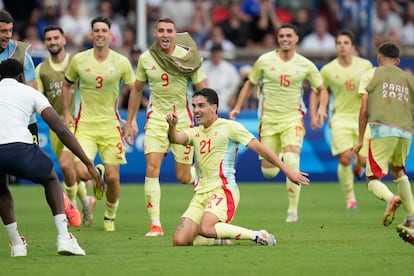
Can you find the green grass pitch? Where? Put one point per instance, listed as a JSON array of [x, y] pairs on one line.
[[327, 240]]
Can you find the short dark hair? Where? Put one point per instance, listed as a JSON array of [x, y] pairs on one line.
[[209, 94], [165, 20], [349, 34], [289, 26], [5, 17], [53, 28], [10, 68], [102, 19], [389, 49]]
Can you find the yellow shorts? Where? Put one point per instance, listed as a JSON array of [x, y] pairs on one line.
[[156, 140], [291, 135], [57, 145], [221, 202], [385, 151], [107, 141], [345, 138]]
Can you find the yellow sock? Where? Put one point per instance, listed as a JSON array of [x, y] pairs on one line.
[[71, 191], [291, 160], [82, 192], [346, 181], [152, 192], [111, 209], [404, 190], [200, 240], [380, 190], [229, 231]]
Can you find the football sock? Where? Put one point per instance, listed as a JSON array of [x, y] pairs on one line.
[[13, 233], [61, 224], [71, 192], [200, 240], [229, 231], [346, 181], [404, 190], [82, 192], [152, 192], [380, 190], [111, 209], [291, 160]]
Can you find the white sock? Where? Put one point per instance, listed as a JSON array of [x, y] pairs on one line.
[[61, 225], [13, 233]]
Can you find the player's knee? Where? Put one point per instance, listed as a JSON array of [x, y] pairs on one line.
[[270, 172], [180, 240], [291, 159]]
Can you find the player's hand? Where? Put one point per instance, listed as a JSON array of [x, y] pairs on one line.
[[233, 114], [357, 148], [321, 116], [172, 118], [131, 130], [299, 178], [100, 185], [68, 120]]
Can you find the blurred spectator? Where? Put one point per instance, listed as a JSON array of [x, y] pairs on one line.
[[76, 27], [153, 14], [264, 20], [220, 10], [49, 15], [129, 38], [30, 35], [123, 99], [301, 21], [385, 24], [217, 37], [222, 76], [407, 31], [181, 11], [105, 8], [320, 40], [252, 101], [24, 12], [201, 24], [329, 9], [236, 27]]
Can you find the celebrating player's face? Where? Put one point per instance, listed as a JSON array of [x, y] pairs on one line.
[[287, 39], [101, 34], [6, 31], [164, 34], [204, 112], [54, 41], [344, 46]]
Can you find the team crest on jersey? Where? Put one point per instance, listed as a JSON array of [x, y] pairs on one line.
[[88, 70], [111, 70], [153, 68]]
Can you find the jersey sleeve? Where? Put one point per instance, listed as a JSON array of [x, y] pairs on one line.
[[239, 133], [128, 73], [71, 73], [41, 102], [256, 72], [365, 79], [29, 69]]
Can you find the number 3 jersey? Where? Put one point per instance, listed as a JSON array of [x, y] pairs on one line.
[[99, 84], [215, 150]]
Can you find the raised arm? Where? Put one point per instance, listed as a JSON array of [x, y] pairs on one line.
[[174, 136]]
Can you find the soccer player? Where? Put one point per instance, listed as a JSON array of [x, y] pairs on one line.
[[342, 76], [19, 50], [387, 105], [280, 74], [171, 66], [100, 71], [216, 197], [21, 157], [50, 76]]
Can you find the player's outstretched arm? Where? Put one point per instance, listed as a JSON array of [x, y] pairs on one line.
[[299, 178], [68, 139], [245, 93]]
